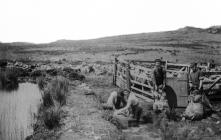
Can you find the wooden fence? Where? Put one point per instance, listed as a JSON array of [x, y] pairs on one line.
[[136, 76]]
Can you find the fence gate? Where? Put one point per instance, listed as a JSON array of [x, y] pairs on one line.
[[136, 76]]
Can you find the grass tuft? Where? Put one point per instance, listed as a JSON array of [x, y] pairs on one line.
[[54, 96], [58, 88], [52, 117], [41, 83], [47, 99]]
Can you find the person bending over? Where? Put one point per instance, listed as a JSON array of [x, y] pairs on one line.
[[116, 100], [133, 106]]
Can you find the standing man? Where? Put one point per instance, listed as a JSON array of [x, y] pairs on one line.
[[195, 80], [158, 75]]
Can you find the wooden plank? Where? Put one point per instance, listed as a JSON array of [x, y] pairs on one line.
[[143, 97], [175, 64], [144, 92], [144, 61], [178, 71], [133, 81], [214, 83], [142, 68], [121, 79], [218, 73], [128, 75], [142, 77], [121, 83]]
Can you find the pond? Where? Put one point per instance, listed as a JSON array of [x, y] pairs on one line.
[[17, 110]]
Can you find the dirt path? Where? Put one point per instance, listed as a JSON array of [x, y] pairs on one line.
[[84, 120]]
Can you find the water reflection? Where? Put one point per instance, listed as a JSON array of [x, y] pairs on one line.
[[17, 109]]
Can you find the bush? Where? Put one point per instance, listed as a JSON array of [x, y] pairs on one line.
[[41, 83], [52, 117], [58, 88], [52, 72], [47, 99], [37, 73], [8, 80], [54, 96], [76, 76]]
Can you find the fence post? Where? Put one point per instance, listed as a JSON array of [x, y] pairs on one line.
[[128, 75], [115, 72]]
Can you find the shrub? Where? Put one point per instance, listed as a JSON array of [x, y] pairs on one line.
[[8, 80], [47, 99], [2, 80], [41, 83], [37, 73], [52, 72], [58, 88], [54, 96], [20, 72], [52, 117], [76, 76]]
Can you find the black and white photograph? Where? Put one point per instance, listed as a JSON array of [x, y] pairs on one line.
[[110, 70]]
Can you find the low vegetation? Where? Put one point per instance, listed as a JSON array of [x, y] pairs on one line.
[[58, 88], [54, 94], [8, 80]]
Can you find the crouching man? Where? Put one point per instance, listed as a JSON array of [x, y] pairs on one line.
[[194, 109], [132, 109], [116, 100]]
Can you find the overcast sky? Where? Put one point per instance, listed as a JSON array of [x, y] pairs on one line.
[[41, 21]]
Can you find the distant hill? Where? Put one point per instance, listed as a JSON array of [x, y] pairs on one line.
[[183, 45], [183, 37]]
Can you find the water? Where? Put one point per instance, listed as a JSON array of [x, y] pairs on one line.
[[17, 109]]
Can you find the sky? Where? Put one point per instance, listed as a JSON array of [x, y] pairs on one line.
[[41, 21]]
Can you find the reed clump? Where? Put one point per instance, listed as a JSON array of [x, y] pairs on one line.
[[54, 96], [58, 88], [8, 80], [52, 117]]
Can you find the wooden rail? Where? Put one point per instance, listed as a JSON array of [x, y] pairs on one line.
[[138, 79]]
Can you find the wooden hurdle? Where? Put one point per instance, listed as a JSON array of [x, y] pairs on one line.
[[136, 77]]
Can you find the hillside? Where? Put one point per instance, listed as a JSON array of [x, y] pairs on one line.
[[183, 42], [184, 37]]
